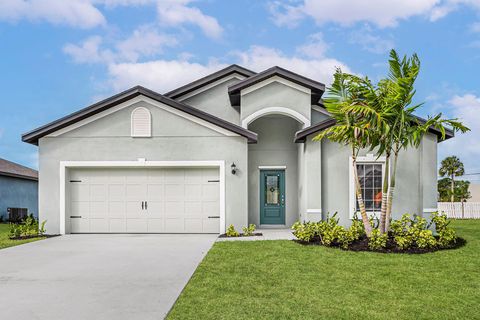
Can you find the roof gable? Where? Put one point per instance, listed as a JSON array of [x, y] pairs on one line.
[[317, 88], [34, 135], [197, 84]]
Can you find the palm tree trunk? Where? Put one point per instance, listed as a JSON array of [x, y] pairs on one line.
[[452, 189], [390, 194], [361, 204], [383, 210]]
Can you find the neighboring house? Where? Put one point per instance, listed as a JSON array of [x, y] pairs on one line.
[[474, 189], [18, 188], [234, 147]]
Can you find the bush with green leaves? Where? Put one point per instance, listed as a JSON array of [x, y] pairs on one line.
[[377, 240], [29, 227], [231, 232], [248, 231], [305, 231], [409, 233], [446, 235]]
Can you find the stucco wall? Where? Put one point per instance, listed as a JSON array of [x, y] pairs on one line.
[[275, 95], [174, 138], [18, 193], [216, 101], [275, 148], [415, 179]]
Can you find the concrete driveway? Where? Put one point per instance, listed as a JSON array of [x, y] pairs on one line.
[[98, 276]]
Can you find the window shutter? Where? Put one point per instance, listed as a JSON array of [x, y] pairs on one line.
[[141, 123]]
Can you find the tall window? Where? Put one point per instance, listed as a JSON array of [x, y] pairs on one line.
[[370, 175], [141, 123]]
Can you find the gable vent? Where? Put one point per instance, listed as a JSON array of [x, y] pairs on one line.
[[141, 123]]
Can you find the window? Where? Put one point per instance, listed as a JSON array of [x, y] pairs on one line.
[[370, 175], [141, 123]]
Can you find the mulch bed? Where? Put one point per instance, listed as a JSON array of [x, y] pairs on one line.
[[257, 234], [33, 237], [362, 245]]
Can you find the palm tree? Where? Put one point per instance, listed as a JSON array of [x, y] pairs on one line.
[[452, 167], [350, 127]]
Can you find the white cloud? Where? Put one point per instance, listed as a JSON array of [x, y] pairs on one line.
[[368, 40], [177, 13], [75, 13], [379, 12], [465, 146], [320, 69], [145, 41], [316, 47]]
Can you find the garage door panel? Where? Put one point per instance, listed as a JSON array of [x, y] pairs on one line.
[[99, 225], [178, 200], [118, 225], [156, 225], [98, 209]]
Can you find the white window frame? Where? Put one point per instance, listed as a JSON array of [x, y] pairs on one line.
[[368, 159], [132, 128]]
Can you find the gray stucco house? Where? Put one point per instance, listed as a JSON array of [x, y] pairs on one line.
[[18, 188], [234, 147]]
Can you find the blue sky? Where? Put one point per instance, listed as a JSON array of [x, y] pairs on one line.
[[59, 56]]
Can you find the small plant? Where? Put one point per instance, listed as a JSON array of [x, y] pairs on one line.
[[426, 239], [446, 235], [377, 240], [248, 231], [29, 227], [304, 231], [231, 232]]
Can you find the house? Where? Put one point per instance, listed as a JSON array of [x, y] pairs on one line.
[[18, 188], [474, 189], [234, 147]]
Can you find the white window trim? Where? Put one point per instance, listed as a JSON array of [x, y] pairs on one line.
[[132, 129], [139, 164], [369, 158]]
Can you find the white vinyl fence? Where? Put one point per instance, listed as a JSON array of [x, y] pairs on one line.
[[459, 210]]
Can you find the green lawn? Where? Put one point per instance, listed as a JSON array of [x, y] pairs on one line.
[[5, 242], [285, 280]]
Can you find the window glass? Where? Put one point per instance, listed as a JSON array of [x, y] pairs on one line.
[[272, 189], [371, 179]]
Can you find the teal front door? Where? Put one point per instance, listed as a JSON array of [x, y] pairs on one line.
[[272, 197]]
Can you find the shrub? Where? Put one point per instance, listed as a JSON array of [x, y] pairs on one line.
[[27, 228], [248, 231], [426, 239], [408, 233], [377, 240], [446, 235], [305, 231], [231, 232]]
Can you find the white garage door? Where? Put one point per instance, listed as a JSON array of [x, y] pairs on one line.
[[173, 200]]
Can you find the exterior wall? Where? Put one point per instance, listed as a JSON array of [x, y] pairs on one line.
[[415, 179], [216, 101], [275, 147], [275, 95], [474, 189], [318, 117], [174, 139], [313, 177], [18, 193]]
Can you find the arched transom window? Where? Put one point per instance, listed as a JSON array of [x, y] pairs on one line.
[[141, 123]]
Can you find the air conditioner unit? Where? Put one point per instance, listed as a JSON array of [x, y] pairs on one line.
[[16, 215]]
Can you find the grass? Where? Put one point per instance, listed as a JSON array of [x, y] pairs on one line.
[[5, 242], [285, 280]]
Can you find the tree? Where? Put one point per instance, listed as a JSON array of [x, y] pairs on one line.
[[451, 167], [460, 192], [350, 128], [381, 117]]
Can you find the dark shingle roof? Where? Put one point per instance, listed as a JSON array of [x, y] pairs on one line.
[[12, 169]]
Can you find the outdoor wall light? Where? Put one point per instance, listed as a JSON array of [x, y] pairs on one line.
[[234, 168]]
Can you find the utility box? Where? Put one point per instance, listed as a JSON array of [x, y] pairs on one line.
[[16, 215]]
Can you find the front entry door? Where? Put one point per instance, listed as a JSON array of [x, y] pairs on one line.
[[272, 197]]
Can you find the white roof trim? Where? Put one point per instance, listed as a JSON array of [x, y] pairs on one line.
[[275, 79], [150, 101], [210, 86], [276, 110]]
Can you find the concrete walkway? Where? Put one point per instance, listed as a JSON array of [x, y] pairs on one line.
[[98, 276], [268, 234]]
